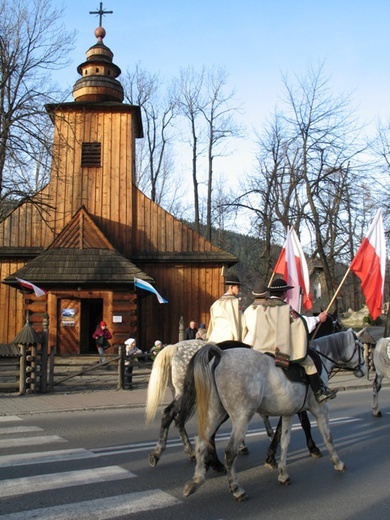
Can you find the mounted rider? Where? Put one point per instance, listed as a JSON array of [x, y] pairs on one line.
[[226, 317], [275, 327]]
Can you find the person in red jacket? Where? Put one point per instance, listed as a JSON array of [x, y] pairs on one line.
[[101, 336]]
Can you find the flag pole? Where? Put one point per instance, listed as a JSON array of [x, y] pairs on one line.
[[332, 300]]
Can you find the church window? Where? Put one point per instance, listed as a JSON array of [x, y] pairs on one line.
[[91, 155]]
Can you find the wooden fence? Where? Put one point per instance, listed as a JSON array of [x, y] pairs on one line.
[[33, 372]]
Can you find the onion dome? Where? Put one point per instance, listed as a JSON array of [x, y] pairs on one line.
[[98, 73]]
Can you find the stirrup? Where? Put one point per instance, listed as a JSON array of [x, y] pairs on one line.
[[325, 394]]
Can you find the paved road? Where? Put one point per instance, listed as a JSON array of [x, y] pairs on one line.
[[93, 465]]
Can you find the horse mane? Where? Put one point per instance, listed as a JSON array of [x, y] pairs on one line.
[[331, 342]]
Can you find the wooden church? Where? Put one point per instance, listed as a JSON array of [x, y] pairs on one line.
[[86, 236]]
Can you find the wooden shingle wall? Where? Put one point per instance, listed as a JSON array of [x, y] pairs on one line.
[[190, 291], [11, 303], [156, 230]]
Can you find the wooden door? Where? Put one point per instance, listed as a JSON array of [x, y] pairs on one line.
[[68, 320]]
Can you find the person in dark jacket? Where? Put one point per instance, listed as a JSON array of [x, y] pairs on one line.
[[191, 331]]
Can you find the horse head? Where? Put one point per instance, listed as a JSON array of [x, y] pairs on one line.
[[360, 369]]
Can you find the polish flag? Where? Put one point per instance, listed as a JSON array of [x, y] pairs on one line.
[[28, 285], [293, 266], [369, 265]]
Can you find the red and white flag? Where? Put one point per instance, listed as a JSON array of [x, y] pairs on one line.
[[37, 290], [293, 266], [369, 265]]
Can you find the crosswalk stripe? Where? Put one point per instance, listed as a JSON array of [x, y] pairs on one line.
[[33, 484], [101, 508], [23, 459], [16, 442], [10, 418], [19, 429]]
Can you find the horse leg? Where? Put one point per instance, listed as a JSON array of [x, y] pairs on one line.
[[200, 469], [322, 417], [166, 420], [212, 460], [270, 461], [236, 438], [203, 450], [188, 448], [267, 425], [286, 423], [306, 426], [168, 415], [376, 386]]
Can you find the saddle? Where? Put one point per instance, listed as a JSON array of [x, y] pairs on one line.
[[296, 373]]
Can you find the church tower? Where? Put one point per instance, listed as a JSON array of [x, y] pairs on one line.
[[94, 149]]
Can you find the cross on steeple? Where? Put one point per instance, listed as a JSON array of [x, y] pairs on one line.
[[101, 12]]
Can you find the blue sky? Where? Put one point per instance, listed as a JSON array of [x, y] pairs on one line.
[[255, 40]]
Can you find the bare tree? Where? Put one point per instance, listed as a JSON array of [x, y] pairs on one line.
[[33, 43], [154, 156], [190, 101], [208, 110], [309, 173], [221, 127]]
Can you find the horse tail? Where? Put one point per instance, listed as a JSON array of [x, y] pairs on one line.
[[158, 381], [198, 384]]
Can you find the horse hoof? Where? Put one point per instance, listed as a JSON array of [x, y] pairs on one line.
[[243, 451], [153, 460], [286, 482], [240, 495], [340, 467], [189, 488], [315, 453], [271, 464], [377, 414]]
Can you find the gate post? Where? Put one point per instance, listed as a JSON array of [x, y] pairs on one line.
[[181, 329], [121, 368], [22, 369], [44, 353]]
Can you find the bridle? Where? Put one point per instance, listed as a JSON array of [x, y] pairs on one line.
[[357, 370]]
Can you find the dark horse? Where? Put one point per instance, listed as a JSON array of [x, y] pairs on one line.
[[331, 326], [332, 354]]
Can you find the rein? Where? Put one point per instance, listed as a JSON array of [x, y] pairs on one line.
[[341, 366]]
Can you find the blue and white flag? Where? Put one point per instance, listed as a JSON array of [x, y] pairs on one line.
[[141, 284]]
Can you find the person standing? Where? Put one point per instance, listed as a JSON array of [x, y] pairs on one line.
[[226, 318], [101, 337], [191, 330], [201, 334], [157, 347], [275, 327], [131, 352]]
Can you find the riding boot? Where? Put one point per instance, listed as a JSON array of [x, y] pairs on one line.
[[321, 392]]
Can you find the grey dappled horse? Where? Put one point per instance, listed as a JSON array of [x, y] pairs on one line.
[[169, 369], [240, 383], [382, 369]]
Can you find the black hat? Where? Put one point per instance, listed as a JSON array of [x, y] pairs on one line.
[[279, 286], [260, 290], [232, 279]]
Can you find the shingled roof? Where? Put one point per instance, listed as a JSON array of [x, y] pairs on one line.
[[81, 254]]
